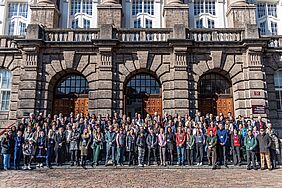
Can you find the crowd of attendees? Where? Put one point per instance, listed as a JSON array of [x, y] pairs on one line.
[[169, 140]]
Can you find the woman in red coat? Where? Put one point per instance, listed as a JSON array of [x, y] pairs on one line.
[[180, 143]]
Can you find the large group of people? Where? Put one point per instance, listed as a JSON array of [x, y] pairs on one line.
[[154, 140]]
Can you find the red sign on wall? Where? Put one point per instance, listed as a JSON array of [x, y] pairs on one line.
[[258, 109]]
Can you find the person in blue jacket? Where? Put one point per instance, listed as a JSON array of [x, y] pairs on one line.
[[19, 141], [222, 137]]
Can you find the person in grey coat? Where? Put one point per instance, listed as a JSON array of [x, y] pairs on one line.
[[130, 146], [74, 142], [152, 143]]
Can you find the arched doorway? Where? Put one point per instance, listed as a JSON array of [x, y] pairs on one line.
[[215, 94], [71, 95], [143, 95]]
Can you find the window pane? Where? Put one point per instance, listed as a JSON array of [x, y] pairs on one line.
[[5, 100]]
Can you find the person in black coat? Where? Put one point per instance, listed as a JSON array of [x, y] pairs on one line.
[[130, 146], [152, 143], [60, 141], [5, 151]]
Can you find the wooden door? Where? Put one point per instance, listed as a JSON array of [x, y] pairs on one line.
[[81, 106], [224, 105], [207, 105], [152, 105], [64, 106]]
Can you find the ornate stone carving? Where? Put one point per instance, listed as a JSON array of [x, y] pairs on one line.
[[169, 2], [237, 2], [110, 2], [46, 2]]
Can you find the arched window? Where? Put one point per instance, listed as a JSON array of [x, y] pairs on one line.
[[278, 88], [214, 84], [71, 85], [5, 89], [142, 84]]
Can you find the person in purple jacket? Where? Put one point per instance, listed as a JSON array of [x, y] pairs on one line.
[[222, 137]]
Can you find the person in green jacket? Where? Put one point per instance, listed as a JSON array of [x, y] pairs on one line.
[[190, 145], [211, 143], [251, 143]]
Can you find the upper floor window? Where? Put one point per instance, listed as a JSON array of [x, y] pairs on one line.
[[199, 23], [142, 6], [273, 28], [278, 88], [210, 23], [81, 13], [204, 6], [264, 9], [5, 89], [17, 18], [262, 28]]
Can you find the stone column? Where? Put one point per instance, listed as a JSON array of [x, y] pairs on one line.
[[239, 13], [175, 12], [45, 13], [110, 12], [29, 97]]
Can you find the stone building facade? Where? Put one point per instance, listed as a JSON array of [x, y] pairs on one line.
[[174, 68]]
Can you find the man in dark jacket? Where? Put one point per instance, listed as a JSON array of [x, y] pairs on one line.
[[74, 142], [222, 138], [19, 140], [152, 142], [60, 144], [264, 146], [110, 138], [211, 143]]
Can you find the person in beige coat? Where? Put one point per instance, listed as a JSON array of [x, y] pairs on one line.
[[84, 143]]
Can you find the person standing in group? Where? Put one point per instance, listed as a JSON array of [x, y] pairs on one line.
[[130, 146], [28, 153], [110, 138], [97, 145], [121, 143], [162, 146], [222, 137], [180, 142], [211, 142], [264, 142], [19, 141], [190, 145], [199, 143], [274, 148], [151, 142], [6, 150], [236, 146], [170, 140], [84, 144], [74, 139], [250, 143], [41, 148], [141, 144], [60, 141], [50, 148]]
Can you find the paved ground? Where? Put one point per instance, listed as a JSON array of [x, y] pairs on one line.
[[141, 177]]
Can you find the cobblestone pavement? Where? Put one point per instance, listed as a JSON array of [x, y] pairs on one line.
[[140, 177]]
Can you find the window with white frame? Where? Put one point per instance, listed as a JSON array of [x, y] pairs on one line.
[[273, 28], [278, 88], [199, 23], [267, 18], [210, 23], [81, 13], [5, 89], [272, 10], [17, 18], [261, 10], [204, 6], [142, 13], [142, 6], [262, 28]]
